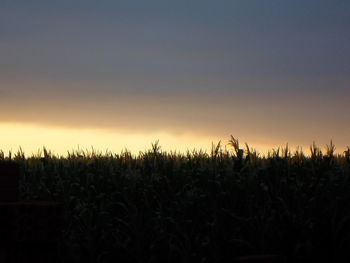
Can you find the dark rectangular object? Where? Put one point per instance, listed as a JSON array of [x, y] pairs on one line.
[[13, 252], [38, 253], [9, 181], [8, 194], [31, 221], [9, 168]]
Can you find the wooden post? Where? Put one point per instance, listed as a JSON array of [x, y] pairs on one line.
[[30, 231]]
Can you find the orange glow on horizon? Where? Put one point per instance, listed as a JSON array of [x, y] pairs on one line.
[[32, 138]]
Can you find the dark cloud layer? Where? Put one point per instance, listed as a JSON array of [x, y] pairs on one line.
[[270, 68]]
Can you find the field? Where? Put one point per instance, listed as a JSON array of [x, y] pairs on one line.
[[196, 207]]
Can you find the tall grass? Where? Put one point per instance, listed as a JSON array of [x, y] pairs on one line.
[[196, 206]]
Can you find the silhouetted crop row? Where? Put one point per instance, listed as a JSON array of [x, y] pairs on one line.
[[196, 207]]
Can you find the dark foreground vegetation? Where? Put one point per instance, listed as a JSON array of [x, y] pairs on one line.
[[196, 207]]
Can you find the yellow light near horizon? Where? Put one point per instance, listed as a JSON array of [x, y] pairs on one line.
[[32, 138]]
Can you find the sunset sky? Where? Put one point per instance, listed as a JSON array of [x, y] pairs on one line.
[[122, 74]]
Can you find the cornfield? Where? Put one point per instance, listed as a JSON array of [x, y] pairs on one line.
[[196, 206]]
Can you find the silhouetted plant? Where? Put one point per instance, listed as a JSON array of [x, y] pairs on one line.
[[196, 207]]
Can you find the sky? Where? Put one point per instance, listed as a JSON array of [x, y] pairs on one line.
[[122, 74]]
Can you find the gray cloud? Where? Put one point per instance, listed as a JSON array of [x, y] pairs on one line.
[[213, 67]]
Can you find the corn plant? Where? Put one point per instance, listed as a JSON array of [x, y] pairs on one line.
[[195, 206]]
